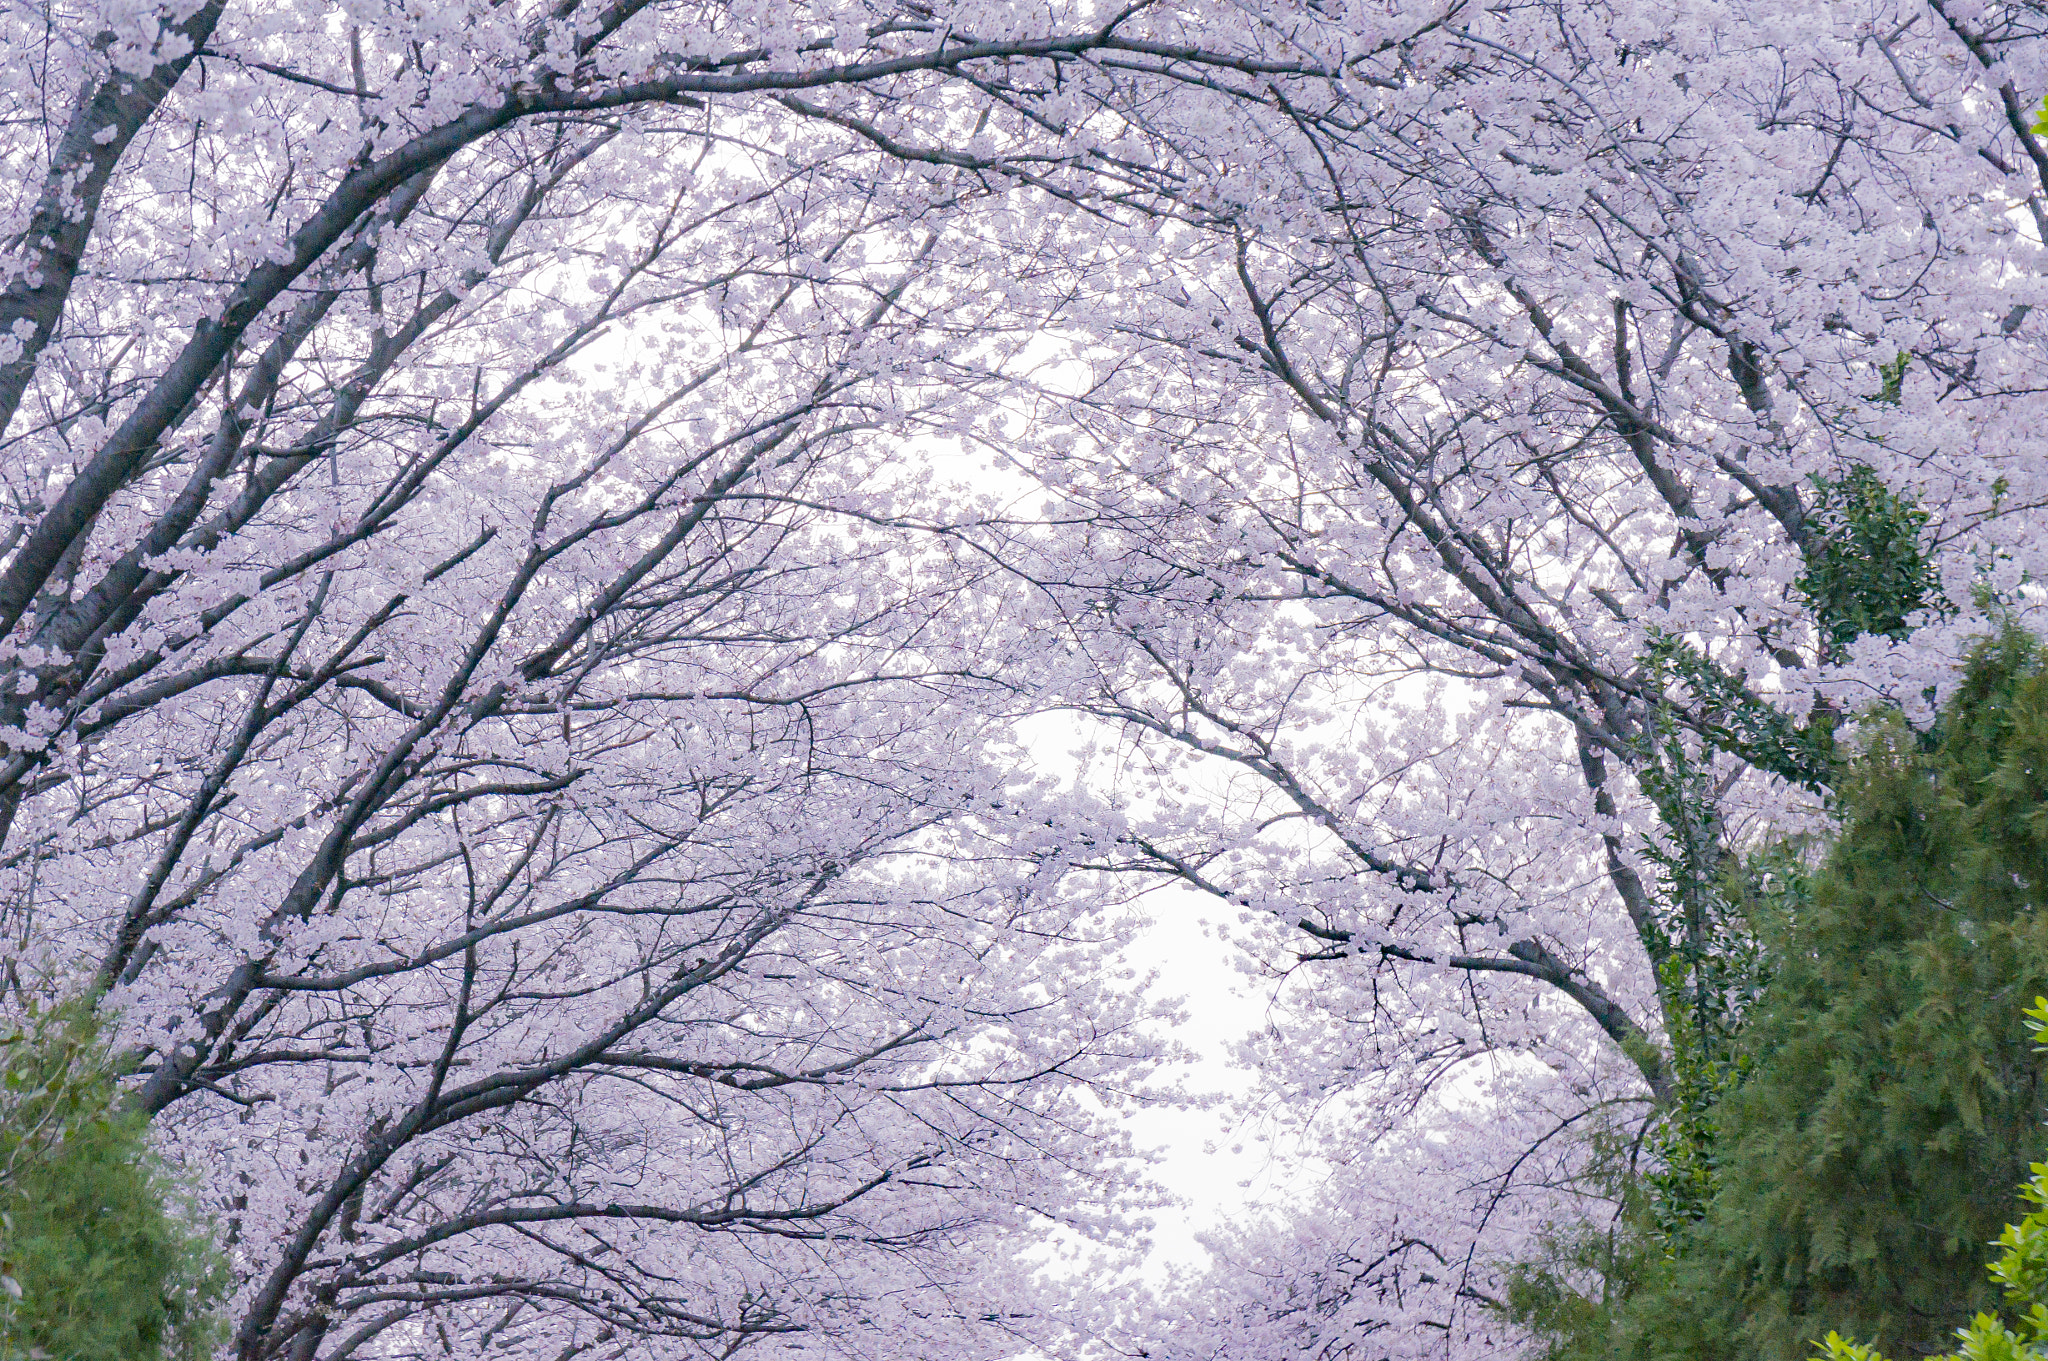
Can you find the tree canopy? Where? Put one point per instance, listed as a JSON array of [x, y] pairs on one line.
[[540, 544]]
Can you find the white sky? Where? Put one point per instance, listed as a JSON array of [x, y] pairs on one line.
[[1217, 1169]]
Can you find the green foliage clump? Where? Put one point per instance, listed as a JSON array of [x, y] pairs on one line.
[[95, 1262], [1704, 942], [2021, 1271], [1849, 1105], [1868, 571], [1862, 1161], [1728, 717]]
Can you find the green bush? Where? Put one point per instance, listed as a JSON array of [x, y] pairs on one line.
[[2021, 1271], [96, 1262], [1863, 1161], [1878, 1104]]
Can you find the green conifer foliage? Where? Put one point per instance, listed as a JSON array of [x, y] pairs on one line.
[[2020, 1270], [95, 1262], [1868, 1154], [1640, 1283]]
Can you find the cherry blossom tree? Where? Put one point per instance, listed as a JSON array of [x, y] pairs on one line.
[[1519, 441], [495, 703], [546, 830]]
